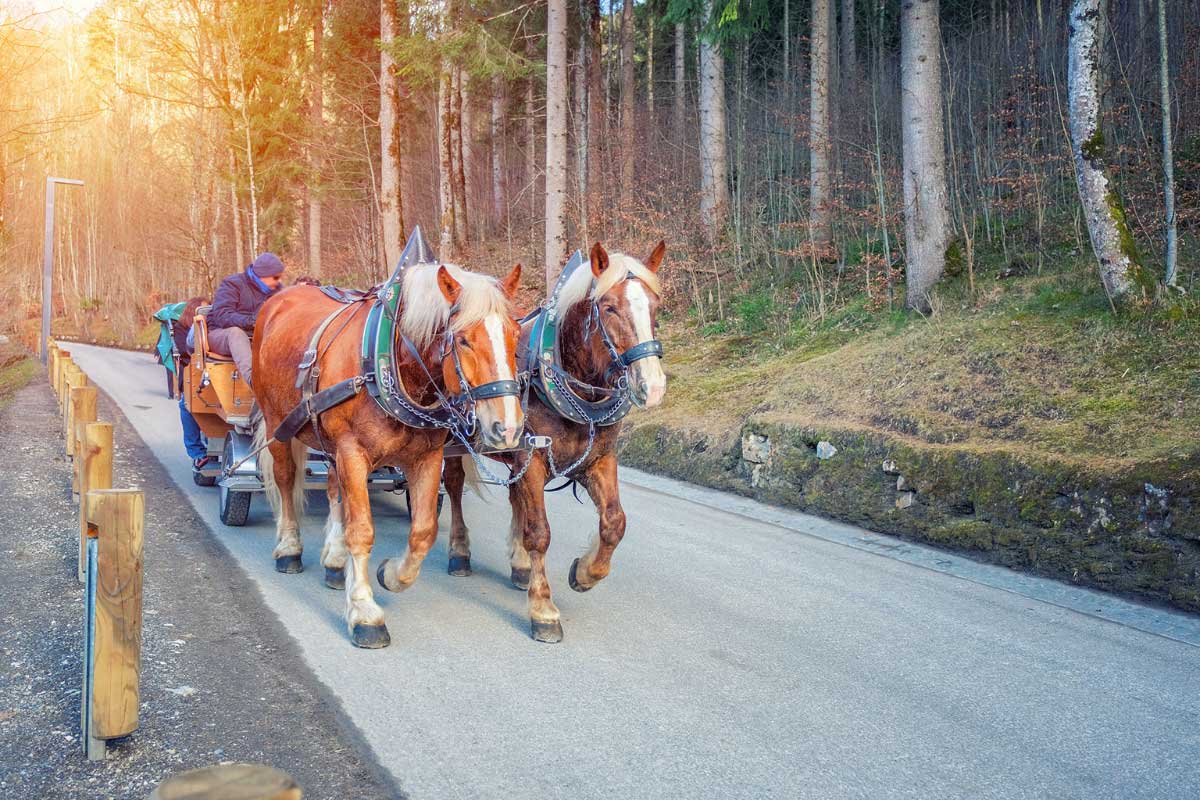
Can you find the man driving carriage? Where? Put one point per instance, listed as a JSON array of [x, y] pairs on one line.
[[236, 305]]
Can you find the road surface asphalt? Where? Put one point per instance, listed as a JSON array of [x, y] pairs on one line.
[[736, 651]]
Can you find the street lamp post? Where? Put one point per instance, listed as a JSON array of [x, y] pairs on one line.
[[48, 259]]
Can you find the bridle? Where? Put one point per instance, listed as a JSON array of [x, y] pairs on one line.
[[621, 361]]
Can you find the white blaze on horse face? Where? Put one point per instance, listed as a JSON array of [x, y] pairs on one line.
[[511, 425], [648, 372]]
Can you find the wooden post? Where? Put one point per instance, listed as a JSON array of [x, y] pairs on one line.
[[74, 378], [52, 365], [60, 370], [95, 462], [81, 408], [229, 782], [112, 658]]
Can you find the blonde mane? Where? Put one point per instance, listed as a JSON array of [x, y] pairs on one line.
[[578, 285], [425, 310]]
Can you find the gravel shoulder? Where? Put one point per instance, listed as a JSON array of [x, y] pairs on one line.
[[221, 680]]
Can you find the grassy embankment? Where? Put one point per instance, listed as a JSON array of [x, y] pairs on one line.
[[16, 370], [1028, 421]]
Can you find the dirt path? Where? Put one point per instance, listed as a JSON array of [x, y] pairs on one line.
[[221, 681]]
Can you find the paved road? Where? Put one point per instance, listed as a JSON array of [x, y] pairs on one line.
[[756, 654]]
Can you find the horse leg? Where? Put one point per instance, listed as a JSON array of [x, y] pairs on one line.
[[518, 556], [528, 496], [454, 477], [364, 617], [333, 552], [593, 567], [424, 475], [286, 495]]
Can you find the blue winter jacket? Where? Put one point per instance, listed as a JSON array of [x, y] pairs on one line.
[[236, 304]]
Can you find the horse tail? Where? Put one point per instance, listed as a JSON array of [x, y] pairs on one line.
[[472, 478], [266, 467]]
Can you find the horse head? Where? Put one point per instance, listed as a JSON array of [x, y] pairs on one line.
[[479, 352], [626, 299]]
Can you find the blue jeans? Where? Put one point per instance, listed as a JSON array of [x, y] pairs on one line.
[[193, 440]]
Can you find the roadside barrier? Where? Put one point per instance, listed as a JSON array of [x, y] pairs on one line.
[[241, 781], [110, 563]]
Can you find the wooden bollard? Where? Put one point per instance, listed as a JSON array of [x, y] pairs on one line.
[[73, 377], [229, 782], [60, 371], [112, 656], [95, 463], [52, 365], [81, 408]]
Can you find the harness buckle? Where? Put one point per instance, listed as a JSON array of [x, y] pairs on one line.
[[538, 442], [309, 358]]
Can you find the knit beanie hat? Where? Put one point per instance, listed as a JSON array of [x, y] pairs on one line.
[[266, 265]]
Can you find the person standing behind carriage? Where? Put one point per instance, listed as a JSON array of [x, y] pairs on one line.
[[236, 305], [193, 437]]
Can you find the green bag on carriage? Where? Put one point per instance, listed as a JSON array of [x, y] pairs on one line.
[[168, 314]]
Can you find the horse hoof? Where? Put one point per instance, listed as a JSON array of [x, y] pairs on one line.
[[520, 579], [550, 632], [289, 565], [571, 579], [460, 566], [370, 637], [335, 577]]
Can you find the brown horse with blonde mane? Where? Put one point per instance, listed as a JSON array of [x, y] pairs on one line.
[[462, 334], [607, 345]]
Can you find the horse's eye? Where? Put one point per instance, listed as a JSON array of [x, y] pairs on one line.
[[464, 342], [610, 310]]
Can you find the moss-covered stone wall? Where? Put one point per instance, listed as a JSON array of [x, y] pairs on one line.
[[1136, 533]]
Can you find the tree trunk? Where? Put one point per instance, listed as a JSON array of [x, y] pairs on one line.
[[820, 213], [650, 66], [597, 143], [1112, 240], [531, 176], [390, 200], [316, 123], [714, 184], [556, 139], [235, 208], [1168, 157], [627, 100], [445, 161], [497, 148], [926, 216], [680, 99], [458, 168], [849, 49]]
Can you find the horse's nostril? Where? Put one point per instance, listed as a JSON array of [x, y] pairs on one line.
[[498, 429]]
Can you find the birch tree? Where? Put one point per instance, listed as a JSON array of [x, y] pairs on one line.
[[926, 213], [391, 215], [1111, 238], [556, 139], [820, 228], [714, 183], [1168, 158]]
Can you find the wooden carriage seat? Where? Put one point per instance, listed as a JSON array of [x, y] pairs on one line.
[[201, 339]]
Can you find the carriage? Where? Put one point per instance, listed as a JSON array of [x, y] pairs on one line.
[[221, 403]]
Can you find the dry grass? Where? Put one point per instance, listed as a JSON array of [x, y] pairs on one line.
[[1038, 366]]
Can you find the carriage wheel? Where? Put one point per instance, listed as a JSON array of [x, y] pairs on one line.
[[408, 503], [235, 507]]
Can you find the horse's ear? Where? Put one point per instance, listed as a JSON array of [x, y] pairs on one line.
[[599, 259], [510, 282], [450, 287], [655, 259]]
